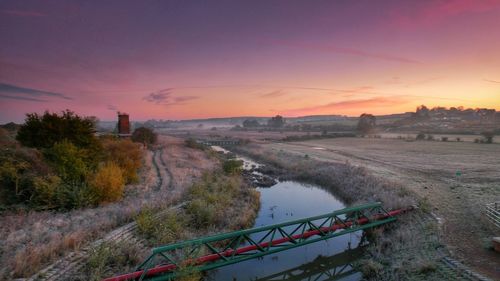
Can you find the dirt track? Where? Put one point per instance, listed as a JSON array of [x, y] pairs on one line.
[[171, 168], [429, 169]]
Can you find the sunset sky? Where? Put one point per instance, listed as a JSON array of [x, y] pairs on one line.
[[197, 59]]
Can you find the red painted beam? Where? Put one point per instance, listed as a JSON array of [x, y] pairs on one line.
[[213, 257]]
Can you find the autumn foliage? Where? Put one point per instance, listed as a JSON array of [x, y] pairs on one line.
[[107, 183], [57, 162]]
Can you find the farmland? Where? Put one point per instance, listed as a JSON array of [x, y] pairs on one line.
[[456, 178]]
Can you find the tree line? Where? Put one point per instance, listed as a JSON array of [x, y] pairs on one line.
[[56, 161]]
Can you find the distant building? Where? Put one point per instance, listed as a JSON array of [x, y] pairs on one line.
[[123, 125]]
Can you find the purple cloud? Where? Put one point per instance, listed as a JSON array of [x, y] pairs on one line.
[[347, 51], [21, 13], [9, 91], [165, 97]]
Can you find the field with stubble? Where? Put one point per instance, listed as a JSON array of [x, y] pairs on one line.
[[457, 179]]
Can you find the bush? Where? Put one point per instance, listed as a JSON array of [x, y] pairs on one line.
[[192, 143], [107, 183], [210, 197], [164, 229], [232, 166], [46, 191], [420, 136], [145, 136], [19, 166], [70, 162], [371, 269], [111, 258], [444, 138], [126, 154], [488, 136], [203, 214]]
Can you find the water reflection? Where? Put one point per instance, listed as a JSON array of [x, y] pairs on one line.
[[336, 267], [287, 201]]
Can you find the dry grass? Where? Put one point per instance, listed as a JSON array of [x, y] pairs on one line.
[[32, 240], [108, 259], [353, 184], [428, 170], [401, 174]]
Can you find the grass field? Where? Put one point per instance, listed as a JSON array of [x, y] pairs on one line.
[[429, 169]]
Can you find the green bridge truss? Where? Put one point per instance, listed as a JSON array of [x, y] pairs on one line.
[[167, 262]]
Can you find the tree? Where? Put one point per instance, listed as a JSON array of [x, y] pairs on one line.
[[276, 122], [251, 123], [43, 131], [366, 123], [422, 111], [488, 136], [145, 136]]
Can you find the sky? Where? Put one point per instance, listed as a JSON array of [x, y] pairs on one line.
[[200, 59]]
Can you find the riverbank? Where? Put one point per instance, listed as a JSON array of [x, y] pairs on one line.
[[209, 202], [408, 249]]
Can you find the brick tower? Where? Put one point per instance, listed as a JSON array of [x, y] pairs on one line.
[[123, 125]]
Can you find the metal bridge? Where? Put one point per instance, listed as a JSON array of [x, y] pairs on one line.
[[219, 142], [170, 261]]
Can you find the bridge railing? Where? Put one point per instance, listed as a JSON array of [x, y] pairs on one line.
[[493, 212], [211, 252]]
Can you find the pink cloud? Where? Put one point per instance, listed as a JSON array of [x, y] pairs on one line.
[[491, 81], [351, 104], [273, 94]]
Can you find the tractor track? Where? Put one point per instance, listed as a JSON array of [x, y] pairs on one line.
[[72, 263]]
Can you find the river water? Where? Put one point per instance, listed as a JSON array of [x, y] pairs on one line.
[[290, 200]]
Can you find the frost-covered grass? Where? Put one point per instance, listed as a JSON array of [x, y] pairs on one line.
[[32, 240]]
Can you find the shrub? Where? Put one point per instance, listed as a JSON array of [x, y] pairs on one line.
[[202, 213], [420, 136], [19, 166], [145, 136], [426, 267], [126, 154], [209, 198], [110, 258], [192, 143], [232, 166], [371, 269], [163, 229], [68, 160], [488, 136], [444, 138], [107, 183], [46, 191], [430, 137]]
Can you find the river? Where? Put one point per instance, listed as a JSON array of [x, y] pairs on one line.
[[290, 200]]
